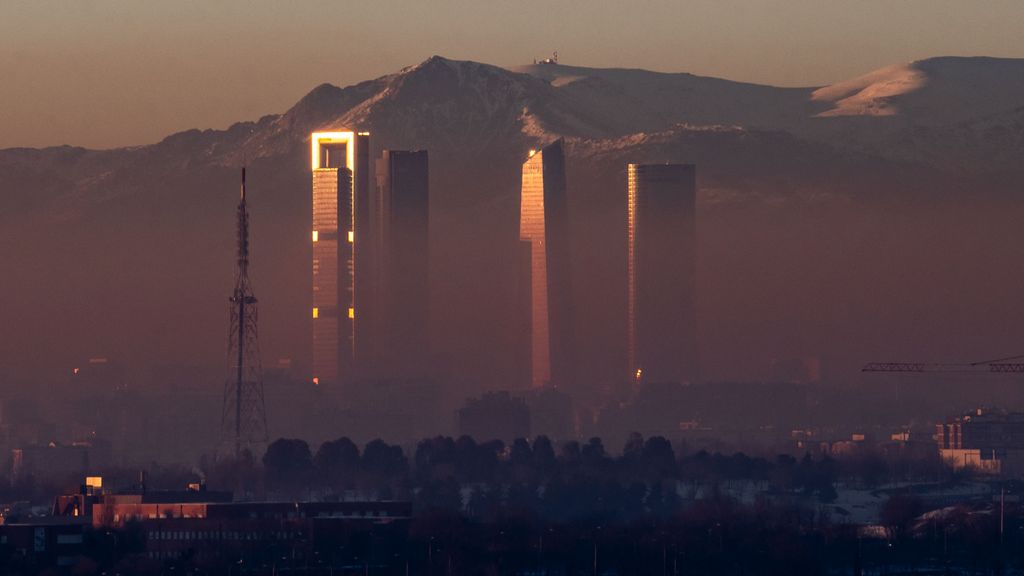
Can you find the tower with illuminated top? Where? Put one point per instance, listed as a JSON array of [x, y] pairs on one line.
[[243, 413], [544, 226], [661, 237], [341, 216]]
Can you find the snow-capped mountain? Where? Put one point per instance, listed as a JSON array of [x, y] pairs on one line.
[[795, 182]]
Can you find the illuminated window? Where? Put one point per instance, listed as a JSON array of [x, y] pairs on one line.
[[316, 312], [351, 312], [351, 236], [316, 381], [316, 236]]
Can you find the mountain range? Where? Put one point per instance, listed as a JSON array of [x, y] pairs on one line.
[[872, 216]]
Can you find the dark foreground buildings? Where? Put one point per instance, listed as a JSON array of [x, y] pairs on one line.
[[341, 216], [661, 234], [211, 529], [544, 227]]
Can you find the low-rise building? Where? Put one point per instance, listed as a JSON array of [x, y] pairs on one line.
[[208, 525], [990, 442], [37, 542]]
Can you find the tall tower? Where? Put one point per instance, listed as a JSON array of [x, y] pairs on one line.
[[661, 234], [244, 414], [403, 211], [341, 286], [544, 224]]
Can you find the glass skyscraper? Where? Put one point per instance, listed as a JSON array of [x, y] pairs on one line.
[[341, 213], [661, 236], [544, 224], [403, 258]]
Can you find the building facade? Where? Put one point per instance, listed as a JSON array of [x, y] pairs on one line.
[[341, 215], [661, 268], [988, 442], [544, 224], [402, 219], [209, 527]]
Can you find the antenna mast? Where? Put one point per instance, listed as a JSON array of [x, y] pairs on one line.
[[244, 415]]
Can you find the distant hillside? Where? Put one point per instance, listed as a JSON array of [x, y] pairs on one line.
[[832, 218]]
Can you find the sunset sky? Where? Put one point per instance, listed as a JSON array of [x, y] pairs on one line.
[[118, 72]]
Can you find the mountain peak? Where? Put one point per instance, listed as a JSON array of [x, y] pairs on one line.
[[941, 90], [440, 64], [437, 60]]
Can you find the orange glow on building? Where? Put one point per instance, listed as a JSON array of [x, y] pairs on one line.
[[321, 149], [543, 223], [341, 203]]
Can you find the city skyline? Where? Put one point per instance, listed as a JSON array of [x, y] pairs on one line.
[[544, 287], [791, 215], [97, 196]]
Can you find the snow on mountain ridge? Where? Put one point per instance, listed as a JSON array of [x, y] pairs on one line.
[[936, 91], [871, 94], [464, 105], [649, 100], [453, 104]]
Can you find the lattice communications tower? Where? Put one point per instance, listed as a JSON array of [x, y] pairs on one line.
[[244, 415]]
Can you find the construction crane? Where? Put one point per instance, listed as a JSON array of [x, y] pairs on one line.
[[996, 366]]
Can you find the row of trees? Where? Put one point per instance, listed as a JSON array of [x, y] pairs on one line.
[[291, 468], [443, 465]]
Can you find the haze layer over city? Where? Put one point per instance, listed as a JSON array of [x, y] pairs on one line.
[[235, 233]]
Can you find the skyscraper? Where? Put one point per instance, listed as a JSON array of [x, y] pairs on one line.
[[544, 223], [341, 216], [661, 265], [403, 256]]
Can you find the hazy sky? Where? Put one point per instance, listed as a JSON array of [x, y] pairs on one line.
[[108, 73]]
